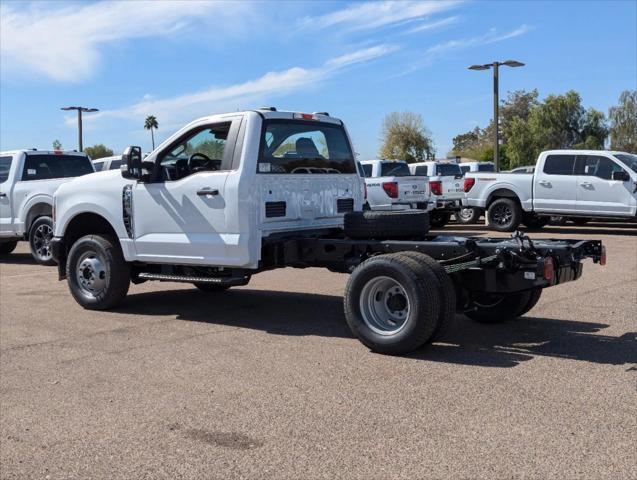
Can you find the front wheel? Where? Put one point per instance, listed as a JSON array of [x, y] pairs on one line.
[[468, 215], [98, 276], [497, 308], [40, 235], [580, 221], [7, 247], [504, 215], [439, 219]]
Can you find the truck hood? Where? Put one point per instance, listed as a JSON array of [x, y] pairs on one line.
[[108, 180]]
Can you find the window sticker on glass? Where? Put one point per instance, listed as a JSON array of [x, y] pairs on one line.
[[31, 171], [264, 168]]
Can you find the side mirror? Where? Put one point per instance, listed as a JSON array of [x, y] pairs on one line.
[[622, 176], [132, 163]]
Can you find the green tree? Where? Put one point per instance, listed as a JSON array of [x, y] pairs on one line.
[[98, 151], [623, 123], [151, 124], [405, 137], [57, 145]]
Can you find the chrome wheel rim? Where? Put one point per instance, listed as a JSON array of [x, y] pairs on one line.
[[384, 305], [91, 274], [42, 241], [465, 213], [501, 214]]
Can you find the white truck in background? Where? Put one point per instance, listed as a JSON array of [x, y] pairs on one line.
[[391, 186], [28, 179], [447, 189], [577, 184]]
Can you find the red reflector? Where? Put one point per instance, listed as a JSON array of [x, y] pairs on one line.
[[549, 269], [602, 257], [58, 152], [436, 187], [391, 189], [469, 183], [307, 116]]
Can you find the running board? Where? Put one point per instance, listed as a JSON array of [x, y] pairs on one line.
[[232, 281]]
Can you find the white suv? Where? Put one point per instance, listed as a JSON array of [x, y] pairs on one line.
[[28, 179]]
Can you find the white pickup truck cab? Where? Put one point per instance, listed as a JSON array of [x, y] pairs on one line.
[[232, 195], [28, 179], [391, 186], [108, 163], [579, 184], [475, 167], [447, 189]]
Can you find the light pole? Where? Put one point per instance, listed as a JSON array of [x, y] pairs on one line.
[[496, 103], [79, 119]]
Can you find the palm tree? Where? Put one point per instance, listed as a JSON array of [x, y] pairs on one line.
[[150, 124]]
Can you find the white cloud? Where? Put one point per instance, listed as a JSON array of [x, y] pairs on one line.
[[174, 111], [372, 15], [433, 25], [490, 37], [64, 43]]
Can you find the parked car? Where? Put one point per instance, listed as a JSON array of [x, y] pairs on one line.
[[108, 163], [472, 167], [28, 179], [213, 217], [578, 184], [445, 184], [391, 186]]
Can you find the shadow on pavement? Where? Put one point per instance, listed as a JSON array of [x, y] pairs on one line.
[[621, 229], [468, 343], [17, 259]]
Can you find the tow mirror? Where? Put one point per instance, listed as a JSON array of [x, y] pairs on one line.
[[132, 163], [622, 176]]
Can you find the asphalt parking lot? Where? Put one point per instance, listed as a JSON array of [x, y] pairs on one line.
[[265, 381]]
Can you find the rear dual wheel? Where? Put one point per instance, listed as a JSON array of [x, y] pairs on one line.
[[393, 303]]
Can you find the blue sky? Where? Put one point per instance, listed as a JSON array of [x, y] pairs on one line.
[[356, 60]]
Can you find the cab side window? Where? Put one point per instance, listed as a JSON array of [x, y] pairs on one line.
[[559, 165], [596, 166], [202, 149], [367, 169], [5, 166]]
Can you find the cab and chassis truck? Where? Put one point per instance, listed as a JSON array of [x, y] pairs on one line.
[[232, 195]]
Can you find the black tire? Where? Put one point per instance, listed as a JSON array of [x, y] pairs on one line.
[[105, 274], [40, 235], [504, 215], [211, 287], [385, 224], [580, 221], [534, 297], [7, 247], [534, 222], [468, 215], [492, 308], [446, 290], [415, 301], [439, 219]]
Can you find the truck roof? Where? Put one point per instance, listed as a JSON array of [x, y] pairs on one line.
[[587, 152], [275, 114], [33, 151]]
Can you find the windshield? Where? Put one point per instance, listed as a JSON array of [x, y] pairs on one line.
[[394, 169], [289, 146], [628, 159], [448, 169], [41, 167]]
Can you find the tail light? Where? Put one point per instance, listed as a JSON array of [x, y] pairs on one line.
[[602, 257], [469, 183], [391, 189], [549, 269], [436, 187]]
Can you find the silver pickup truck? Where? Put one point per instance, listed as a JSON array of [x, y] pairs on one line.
[[579, 184]]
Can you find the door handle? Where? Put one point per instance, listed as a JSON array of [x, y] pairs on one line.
[[204, 192], [545, 183], [586, 184], [3, 195]]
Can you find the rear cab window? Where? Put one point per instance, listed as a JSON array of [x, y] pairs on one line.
[[559, 165], [420, 170], [289, 146], [394, 169], [45, 166], [367, 170], [486, 167], [5, 166], [448, 169]]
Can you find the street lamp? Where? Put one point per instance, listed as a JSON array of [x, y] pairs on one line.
[[79, 119], [496, 101]]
